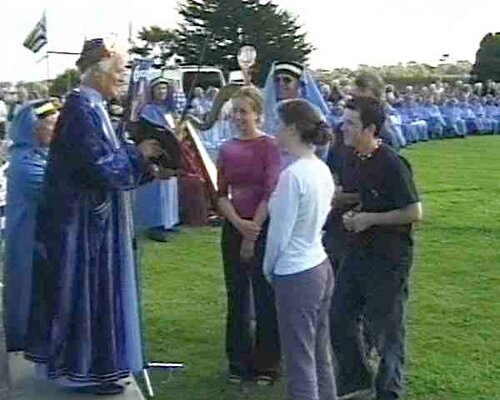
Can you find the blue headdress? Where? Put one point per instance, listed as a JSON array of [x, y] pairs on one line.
[[23, 129], [154, 111]]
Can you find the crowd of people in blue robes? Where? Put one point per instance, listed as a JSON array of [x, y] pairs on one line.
[[420, 114]]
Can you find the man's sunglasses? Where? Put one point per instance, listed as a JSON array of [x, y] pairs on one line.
[[283, 79]]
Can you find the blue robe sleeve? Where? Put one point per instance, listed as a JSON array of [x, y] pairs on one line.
[[31, 174], [99, 162]]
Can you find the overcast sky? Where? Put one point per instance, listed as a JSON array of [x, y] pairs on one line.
[[345, 32]]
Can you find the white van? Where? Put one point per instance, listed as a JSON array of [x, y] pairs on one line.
[[205, 76]]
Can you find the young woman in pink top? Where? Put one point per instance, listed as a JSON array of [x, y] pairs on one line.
[[248, 169]]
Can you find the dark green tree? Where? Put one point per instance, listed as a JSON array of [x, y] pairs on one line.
[[487, 64], [217, 29], [64, 82], [156, 41]]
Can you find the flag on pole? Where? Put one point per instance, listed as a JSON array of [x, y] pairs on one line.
[[37, 37]]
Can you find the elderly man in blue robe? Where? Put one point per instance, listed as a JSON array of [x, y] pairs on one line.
[[31, 132], [290, 80], [84, 326], [156, 207]]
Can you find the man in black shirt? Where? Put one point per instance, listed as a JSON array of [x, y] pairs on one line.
[[373, 280], [343, 165]]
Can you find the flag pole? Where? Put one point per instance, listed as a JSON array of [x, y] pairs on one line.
[[48, 67], [47, 38]]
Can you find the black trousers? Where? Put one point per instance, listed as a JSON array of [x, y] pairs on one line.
[[249, 353], [371, 285]]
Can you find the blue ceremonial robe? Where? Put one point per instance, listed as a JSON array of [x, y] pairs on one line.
[[84, 323], [157, 203], [25, 175]]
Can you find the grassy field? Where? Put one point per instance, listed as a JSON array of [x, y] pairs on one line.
[[454, 316]]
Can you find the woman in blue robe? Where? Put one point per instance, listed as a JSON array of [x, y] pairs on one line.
[[30, 132], [156, 205], [84, 326]]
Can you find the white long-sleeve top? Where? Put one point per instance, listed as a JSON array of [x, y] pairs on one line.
[[298, 209]]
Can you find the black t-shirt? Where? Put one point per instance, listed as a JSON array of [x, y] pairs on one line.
[[385, 183], [344, 164]]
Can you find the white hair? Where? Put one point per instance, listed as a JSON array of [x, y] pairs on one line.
[[96, 69], [101, 67]]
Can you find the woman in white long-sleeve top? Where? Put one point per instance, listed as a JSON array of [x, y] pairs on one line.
[[295, 261]]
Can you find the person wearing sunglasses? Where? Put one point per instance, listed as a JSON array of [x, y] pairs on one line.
[[290, 80]]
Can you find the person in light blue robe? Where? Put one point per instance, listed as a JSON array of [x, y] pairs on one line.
[[393, 126], [288, 80], [31, 133], [434, 119], [492, 110], [410, 132], [485, 123], [420, 116], [455, 125], [306, 89], [414, 127], [467, 114], [156, 206]]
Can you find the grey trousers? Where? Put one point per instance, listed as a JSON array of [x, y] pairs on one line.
[[303, 303]]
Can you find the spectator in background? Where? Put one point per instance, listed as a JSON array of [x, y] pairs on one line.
[[370, 84], [434, 118], [198, 104], [490, 88], [20, 98], [157, 202], [3, 116], [34, 95], [31, 133]]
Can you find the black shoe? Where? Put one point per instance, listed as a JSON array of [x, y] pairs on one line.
[[105, 389], [362, 389], [387, 396], [362, 394], [265, 380], [109, 389], [158, 235], [234, 379]]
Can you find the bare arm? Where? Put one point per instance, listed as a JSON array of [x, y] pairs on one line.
[[358, 222], [227, 210], [261, 213], [407, 215]]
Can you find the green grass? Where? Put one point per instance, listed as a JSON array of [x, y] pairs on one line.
[[454, 313]]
